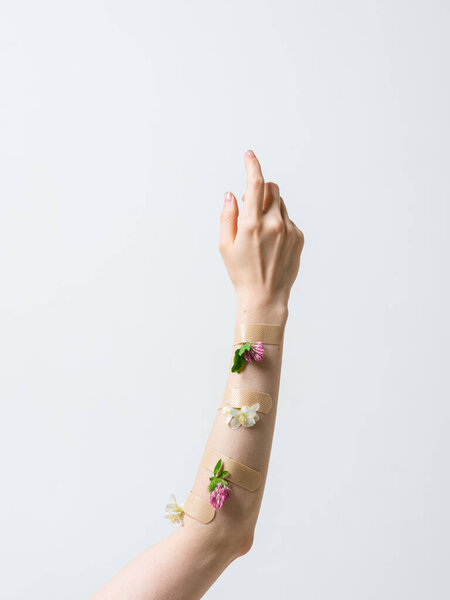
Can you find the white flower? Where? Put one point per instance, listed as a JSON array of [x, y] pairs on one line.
[[174, 511], [246, 417], [229, 411]]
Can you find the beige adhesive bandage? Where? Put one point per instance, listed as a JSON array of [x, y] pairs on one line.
[[238, 398], [240, 474], [199, 509], [258, 332]]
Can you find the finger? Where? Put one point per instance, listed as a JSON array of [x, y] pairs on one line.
[[254, 193], [284, 213], [291, 226], [289, 222], [271, 199], [228, 220]]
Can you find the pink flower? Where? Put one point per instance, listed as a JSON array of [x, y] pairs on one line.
[[218, 496], [248, 356], [256, 352]]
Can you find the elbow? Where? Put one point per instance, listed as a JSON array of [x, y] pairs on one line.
[[246, 544], [242, 544]]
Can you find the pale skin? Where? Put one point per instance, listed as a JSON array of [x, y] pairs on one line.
[[261, 248]]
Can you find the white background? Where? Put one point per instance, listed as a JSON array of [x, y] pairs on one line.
[[122, 125]]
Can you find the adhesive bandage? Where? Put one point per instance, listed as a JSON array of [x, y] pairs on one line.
[[198, 509], [239, 397], [258, 332], [239, 474]]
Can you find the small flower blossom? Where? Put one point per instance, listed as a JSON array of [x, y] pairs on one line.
[[256, 352], [219, 494], [229, 411], [247, 416], [246, 353], [174, 511]]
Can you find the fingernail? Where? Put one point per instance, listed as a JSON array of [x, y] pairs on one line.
[[250, 153], [228, 197]]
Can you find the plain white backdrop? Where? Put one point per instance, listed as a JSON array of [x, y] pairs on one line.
[[122, 125]]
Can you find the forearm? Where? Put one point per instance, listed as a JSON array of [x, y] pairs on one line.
[[248, 446], [230, 534]]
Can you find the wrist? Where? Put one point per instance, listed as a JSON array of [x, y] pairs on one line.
[[270, 311]]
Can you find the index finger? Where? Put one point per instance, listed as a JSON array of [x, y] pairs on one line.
[[254, 193]]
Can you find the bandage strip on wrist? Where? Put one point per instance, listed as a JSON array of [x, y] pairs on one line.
[[240, 474], [258, 332], [239, 397]]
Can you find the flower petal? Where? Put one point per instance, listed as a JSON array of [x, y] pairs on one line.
[[235, 422]]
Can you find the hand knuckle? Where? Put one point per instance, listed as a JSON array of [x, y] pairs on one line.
[[300, 236], [276, 226], [225, 216], [280, 227], [272, 187], [257, 183], [251, 225]]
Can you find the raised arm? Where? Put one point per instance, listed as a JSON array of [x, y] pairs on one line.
[[261, 249]]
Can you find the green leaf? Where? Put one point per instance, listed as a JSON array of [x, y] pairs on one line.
[[238, 363], [218, 466], [214, 482], [224, 473], [244, 347], [242, 363]]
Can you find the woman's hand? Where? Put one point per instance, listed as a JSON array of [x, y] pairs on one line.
[[262, 251]]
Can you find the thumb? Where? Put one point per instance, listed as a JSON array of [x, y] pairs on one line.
[[228, 220]]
